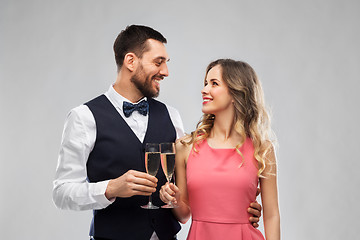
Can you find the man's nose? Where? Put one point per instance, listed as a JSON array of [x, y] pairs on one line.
[[164, 71]]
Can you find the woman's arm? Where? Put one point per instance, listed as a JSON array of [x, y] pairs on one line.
[[269, 197], [178, 194]]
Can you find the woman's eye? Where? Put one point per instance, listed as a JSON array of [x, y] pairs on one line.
[[215, 83]]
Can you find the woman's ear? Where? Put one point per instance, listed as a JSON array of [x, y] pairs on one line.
[[130, 61]]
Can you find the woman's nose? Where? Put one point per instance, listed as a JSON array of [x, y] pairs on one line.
[[205, 90]]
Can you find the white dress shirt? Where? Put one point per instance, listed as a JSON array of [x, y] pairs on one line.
[[71, 187]]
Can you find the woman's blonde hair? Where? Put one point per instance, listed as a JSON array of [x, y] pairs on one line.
[[251, 118]]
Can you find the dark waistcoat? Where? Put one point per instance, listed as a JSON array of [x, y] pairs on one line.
[[117, 150]]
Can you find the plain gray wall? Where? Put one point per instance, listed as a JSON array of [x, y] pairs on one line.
[[55, 55]]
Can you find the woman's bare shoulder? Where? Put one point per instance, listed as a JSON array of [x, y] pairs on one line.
[[184, 145]]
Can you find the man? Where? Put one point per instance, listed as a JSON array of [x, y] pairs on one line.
[[101, 161]]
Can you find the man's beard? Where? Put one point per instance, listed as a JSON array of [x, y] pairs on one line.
[[145, 87]]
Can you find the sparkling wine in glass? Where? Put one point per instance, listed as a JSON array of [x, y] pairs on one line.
[[168, 164], [152, 162]]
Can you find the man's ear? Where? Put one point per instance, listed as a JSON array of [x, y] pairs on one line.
[[130, 61]]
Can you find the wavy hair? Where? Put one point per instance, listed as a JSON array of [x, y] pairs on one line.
[[251, 117]]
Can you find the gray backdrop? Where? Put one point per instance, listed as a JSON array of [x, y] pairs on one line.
[[55, 55]]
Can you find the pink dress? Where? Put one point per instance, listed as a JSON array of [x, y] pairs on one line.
[[220, 192]]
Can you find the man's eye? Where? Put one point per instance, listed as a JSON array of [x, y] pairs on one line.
[[158, 64]]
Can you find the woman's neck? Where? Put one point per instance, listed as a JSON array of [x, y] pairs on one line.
[[222, 128], [223, 133]]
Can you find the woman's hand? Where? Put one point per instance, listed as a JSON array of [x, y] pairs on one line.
[[170, 193]]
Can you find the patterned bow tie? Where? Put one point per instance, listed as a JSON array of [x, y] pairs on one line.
[[142, 107]]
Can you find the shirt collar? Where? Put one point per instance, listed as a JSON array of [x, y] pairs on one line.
[[117, 99]]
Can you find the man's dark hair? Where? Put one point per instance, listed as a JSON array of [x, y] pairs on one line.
[[133, 39]]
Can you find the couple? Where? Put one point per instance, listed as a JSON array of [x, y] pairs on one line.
[[101, 160]]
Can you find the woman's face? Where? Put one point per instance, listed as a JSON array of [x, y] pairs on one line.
[[216, 96]]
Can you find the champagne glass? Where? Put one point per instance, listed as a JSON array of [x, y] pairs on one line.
[[152, 162], [168, 164]]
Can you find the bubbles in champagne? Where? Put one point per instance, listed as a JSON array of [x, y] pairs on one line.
[[152, 160], [168, 164]]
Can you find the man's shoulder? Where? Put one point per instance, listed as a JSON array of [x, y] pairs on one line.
[[169, 108], [96, 100], [79, 112], [155, 101], [175, 118]]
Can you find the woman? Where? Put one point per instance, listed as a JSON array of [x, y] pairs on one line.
[[219, 165]]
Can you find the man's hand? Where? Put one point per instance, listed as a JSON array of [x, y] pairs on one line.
[[131, 183], [255, 210]]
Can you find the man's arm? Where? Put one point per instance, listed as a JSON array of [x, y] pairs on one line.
[[71, 188]]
